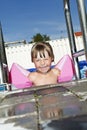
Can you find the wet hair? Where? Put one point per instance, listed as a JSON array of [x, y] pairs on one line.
[[41, 47]]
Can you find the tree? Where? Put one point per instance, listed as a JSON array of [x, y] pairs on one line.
[[46, 38], [40, 38]]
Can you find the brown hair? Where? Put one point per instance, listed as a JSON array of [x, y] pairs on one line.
[[41, 47]]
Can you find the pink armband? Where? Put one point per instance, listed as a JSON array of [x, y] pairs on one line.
[[18, 76], [66, 66]]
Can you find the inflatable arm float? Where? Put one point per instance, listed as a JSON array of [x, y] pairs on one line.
[[18, 75], [66, 66]]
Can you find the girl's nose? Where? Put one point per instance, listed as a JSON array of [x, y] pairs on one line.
[[42, 62]]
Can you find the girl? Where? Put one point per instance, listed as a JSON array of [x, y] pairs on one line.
[[42, 56]]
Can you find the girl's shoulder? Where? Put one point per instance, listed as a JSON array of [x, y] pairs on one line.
[[32, 75], [56, 71]]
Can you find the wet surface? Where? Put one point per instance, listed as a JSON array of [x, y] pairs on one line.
[[72, 123], [51, 107]]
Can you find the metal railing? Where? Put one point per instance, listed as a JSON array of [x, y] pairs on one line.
[[83, 24]]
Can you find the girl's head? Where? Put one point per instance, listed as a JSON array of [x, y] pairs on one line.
[[41, 48], [42, 56]]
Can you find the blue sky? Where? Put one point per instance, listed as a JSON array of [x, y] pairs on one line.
[[22, 19]]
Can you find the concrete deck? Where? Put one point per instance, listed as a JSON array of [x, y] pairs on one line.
[[51, 107]]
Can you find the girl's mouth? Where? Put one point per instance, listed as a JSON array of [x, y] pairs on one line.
[[45, 69]]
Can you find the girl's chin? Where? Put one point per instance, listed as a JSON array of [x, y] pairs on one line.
[[44, 71]]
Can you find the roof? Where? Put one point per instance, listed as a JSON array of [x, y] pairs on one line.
[[78, 33]]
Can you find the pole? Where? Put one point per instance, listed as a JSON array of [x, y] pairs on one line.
[[3, 61], [83, 22], [71, 36]]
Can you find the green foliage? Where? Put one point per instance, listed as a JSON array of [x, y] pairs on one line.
[[40, 38]]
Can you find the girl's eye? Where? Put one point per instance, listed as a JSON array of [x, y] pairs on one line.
[[37, 60], [46, 59]]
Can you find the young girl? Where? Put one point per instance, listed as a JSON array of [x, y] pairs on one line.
[[42, 56]]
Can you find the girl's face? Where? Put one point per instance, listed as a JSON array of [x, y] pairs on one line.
[[43, 63]]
